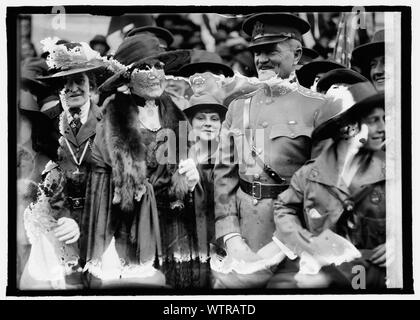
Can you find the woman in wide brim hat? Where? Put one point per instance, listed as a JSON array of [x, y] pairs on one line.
[[348, 182], [338, 77], [141, 169], [309, 73]]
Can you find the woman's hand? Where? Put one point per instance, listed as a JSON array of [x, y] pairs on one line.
[[67, 230], [189, 168], [379, 255]]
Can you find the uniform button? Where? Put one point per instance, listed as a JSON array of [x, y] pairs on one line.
[[292, 122], [77, 149], [256, 176], [259, 150], [264, 124], [292, 135]]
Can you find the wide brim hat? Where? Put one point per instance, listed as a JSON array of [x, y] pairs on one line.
[[159, 32], [99, 39], [347, 76], [307, 55], [363, 54], [268, 28], [359, 99], [306, 75], [204, 102], [203, 61], [138, 49]]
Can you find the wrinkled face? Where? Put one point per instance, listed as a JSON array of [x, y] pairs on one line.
[[375, 121], [76, 90], [377, 72], [148, 80], [206, 125], [278, 58]]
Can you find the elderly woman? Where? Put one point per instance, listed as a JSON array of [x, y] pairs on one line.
[[342, 190], [142, 176], [55, 217]]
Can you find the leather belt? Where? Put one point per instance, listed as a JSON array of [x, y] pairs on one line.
[[258, 191], [77, 203]]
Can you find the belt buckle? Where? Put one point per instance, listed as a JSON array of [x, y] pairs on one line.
[[256, 195], [77, 203]]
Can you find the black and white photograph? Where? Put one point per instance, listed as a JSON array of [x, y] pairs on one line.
[[198, 150]]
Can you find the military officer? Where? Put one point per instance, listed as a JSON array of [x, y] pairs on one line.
[[269, 131]]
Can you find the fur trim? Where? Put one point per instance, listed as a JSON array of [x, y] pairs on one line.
[[126, 150]]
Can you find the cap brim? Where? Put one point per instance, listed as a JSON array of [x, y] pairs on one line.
[[330, 127], [265, 41], [192, 110], [200, 67], [346, 76], [306, 75]]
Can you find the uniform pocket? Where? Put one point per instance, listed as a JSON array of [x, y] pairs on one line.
[[291, 129], [316, 220]]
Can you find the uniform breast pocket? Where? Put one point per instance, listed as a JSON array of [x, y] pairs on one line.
[[291, 129], [316, 220]]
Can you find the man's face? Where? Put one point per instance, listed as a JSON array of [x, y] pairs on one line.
[[76, 89], [375, 122], [377, 72], [101, 48], [278, 58]]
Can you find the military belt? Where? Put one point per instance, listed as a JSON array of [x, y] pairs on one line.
[[258, 190]]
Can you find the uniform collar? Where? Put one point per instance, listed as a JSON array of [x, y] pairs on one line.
[[84, 113], [325, 171]]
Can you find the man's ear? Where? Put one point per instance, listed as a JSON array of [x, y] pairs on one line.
[[298, 55]]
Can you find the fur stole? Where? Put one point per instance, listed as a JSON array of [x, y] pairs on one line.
[[128, 153]]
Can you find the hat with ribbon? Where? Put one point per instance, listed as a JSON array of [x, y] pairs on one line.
[[307, 74], [70, 58], [165, 36], [338, 76], [205, 61], [363, 55], [205, 102], [346, 106], [267, 28], [137, 50]]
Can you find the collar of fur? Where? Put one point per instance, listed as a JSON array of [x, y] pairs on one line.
[[124, 143]]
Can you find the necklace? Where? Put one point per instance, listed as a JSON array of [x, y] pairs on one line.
[[78, 162]]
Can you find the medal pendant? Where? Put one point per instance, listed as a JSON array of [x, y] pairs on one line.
[[77, 172]]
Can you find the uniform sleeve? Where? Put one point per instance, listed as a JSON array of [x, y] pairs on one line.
[[226, 182], [287, 212]]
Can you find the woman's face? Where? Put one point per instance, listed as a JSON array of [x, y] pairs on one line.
[[205, 82], [148, 80], [76, 90], [206, 125], [375, 122]]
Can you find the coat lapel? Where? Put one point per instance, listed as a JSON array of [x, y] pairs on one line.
[[87, 130], [68, 132]]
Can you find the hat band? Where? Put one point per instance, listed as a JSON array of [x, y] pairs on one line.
[[272, 38]]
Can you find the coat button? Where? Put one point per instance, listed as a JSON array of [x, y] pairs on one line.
[[264, 124], [292, 122], [256, 176], [292, 135]]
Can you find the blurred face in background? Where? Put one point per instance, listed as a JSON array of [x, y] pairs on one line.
[[206, 83], [176, 87], [377, 72], [206, 125], [77, 90], [101, 48], [375, 122]]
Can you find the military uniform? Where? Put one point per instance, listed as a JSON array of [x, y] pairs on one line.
[[271, 129]]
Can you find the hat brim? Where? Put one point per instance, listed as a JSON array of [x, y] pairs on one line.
[[93, 42], [71, 71], [347, 76], [362, 55], [307, 73], [157, 31], [191, 111], [173, 60], [37, 86], [201, 67], [330, 127]]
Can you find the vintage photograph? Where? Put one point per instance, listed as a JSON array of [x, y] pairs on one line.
[[209, 150]]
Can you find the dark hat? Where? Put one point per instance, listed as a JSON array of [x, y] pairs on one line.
[[306, 75], [158, 32], [356, 101], [71, 58], [138, 49], [99, 39], [307, 56], [204, 61], [205, 102], [265, 28], [363, 55], [335, 76], [30, 71]]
